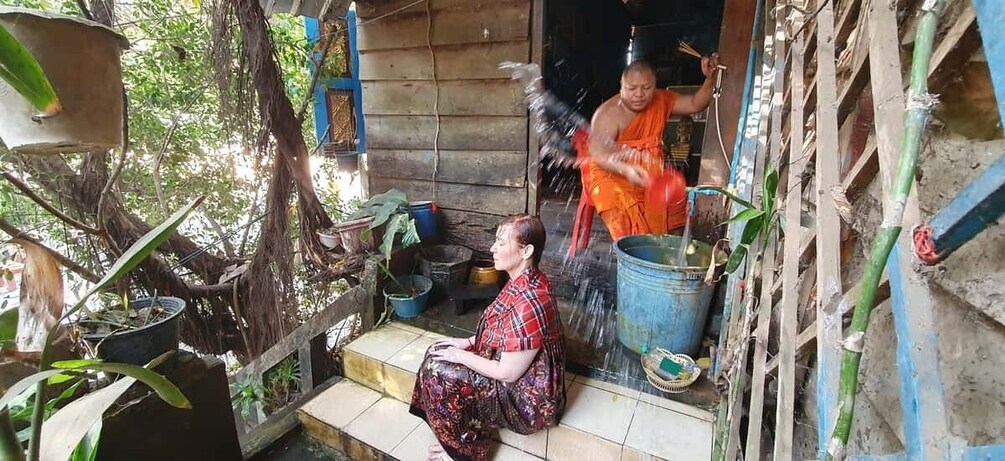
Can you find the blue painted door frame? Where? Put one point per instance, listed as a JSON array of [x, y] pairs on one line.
[[321, 120]]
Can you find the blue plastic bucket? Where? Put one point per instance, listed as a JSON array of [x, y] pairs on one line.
[[409, 299], [660, 304], [425, 220]]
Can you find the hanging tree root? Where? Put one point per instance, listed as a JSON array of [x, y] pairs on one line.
[[919, 107]]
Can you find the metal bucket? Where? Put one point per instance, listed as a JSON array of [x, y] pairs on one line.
[[661, 304]]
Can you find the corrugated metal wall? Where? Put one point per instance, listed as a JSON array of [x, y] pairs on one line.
[[476, 166]]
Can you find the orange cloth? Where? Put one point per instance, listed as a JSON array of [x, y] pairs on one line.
[[622, 205]]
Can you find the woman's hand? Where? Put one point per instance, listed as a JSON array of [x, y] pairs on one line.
[[460, 343], [450, 354]]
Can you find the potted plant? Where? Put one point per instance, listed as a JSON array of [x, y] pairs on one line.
[[75, 429], [37, 64], [389, 210], [133, 331]]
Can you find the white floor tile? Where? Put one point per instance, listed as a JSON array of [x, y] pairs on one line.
[[407, 327], [384, 425], [415, 447], [535, 444], [620, 390], [599, 412], [382, 343], [341, 403], [568, 444], [506, 453], [669, 435], [677, 406], [410, 357]]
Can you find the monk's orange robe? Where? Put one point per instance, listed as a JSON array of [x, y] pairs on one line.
[[623, 206]]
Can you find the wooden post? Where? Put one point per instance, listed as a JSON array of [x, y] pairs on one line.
[[828, 170], [785, 408], [734, 46]]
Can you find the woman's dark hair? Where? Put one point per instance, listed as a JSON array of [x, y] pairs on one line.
[[528, 230]]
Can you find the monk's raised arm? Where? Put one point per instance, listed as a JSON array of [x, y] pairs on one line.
[[688, 104]]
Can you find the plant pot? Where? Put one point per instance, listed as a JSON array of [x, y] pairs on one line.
[[330, 241], [483, 272], [81, 60], [141, 345], [445, 265], [413, 301], [351, 233]]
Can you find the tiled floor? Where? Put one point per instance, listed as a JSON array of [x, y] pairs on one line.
[[602, 421]]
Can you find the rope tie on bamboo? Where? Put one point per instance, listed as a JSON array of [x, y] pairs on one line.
[[924, 245], [855, 342]]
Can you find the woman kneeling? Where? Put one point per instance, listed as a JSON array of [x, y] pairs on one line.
[[510, 374]]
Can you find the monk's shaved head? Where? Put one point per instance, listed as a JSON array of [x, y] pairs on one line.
[[638, 86], [639, 66]]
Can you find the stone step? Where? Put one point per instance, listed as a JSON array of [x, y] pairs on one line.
[[366, 415]]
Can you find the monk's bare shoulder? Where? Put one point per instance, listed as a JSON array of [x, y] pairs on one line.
[[609, 117]]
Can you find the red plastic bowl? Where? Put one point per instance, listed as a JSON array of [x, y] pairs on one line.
[[668, 188]]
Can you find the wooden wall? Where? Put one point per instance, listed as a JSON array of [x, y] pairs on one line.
[[479, 173]]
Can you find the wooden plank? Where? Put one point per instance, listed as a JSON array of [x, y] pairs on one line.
[[828, 170], [785, 408], [925, 418], [370, 10], [471, 229], [456, 62], [477, 23], [767, 272], [534, 140], [354, 301], [808, 337], [494, 168], [456, 133], [956, 47], [734, 47], [457, 97], [865, 168], [500, 201]]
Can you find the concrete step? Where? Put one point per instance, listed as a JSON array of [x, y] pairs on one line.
[[366, 415]]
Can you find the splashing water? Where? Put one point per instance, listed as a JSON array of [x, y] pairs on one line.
[[590, 316], [557, 124], [685, 243]]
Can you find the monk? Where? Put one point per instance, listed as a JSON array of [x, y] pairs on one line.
[[616, 174]]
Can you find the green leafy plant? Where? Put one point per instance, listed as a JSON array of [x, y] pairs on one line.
[[247, 394], [759, 220], [283, 383], [23, 73], [391, 207], [76, 422]]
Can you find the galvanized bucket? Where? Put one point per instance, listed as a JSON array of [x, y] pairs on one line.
[[661, 305]]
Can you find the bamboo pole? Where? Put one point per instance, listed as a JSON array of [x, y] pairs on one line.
[[919, 107]]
